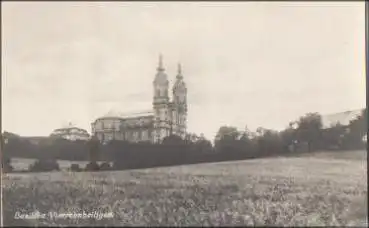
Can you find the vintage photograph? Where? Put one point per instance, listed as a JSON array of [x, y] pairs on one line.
[[183, 114]]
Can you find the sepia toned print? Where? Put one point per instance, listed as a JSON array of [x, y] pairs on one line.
[[183, 114]]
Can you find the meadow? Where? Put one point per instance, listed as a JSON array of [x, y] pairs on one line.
[[310, 190]]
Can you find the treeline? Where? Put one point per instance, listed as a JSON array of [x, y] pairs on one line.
[[48, 148], [304, 135]]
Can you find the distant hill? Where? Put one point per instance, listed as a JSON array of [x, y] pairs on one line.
[[7, 134], [342, 118], [32, 139]]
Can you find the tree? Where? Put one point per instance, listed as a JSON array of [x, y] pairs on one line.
[[44, 165], [7, 167], [227, 132], [203, 146], [357, 129], [288, 138], [105, 166], [92, 166], [332, 138], [260, 131], [246, 141], [75, 168], [270, 142], [173, 140], [94, 146], [309, 130], [5, 158], [191, 138], [225, 138]]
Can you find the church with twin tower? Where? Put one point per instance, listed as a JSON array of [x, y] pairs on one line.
[[170, 116], [167, 116]]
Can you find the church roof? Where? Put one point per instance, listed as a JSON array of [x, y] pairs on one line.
[[69, 130], [126, 115], [69, 126]]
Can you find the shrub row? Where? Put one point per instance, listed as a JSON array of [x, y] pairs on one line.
[[47, 165]]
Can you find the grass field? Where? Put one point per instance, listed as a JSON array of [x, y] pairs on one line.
[[323, 189]]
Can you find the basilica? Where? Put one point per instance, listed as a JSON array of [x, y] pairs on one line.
[[166, 117]]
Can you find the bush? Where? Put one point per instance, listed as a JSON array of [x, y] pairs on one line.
[[42, 165], [117, 165], [75, 168], [92, 166], [7, 168], [105, 166]]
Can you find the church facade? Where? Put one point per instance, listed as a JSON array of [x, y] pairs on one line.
[[166, 117]]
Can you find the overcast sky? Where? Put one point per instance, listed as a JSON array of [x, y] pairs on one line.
[[245, 63]]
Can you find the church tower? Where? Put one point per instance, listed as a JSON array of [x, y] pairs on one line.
[[180, 104], [161, 103]]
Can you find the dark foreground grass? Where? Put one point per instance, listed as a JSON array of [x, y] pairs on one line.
[[303, 191]]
